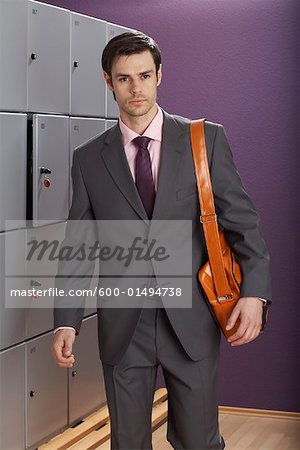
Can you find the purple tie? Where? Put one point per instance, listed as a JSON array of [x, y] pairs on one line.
[[143, 174]]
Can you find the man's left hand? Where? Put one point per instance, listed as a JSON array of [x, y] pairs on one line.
[[249, 312]]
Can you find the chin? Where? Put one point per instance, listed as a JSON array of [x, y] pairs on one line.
[[139, 110]]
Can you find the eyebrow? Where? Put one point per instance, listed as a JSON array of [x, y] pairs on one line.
[[141, 73]]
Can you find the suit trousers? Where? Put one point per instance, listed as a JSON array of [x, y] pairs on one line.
[[191, 385]]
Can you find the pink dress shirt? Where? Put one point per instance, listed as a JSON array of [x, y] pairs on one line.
[[154, 132]]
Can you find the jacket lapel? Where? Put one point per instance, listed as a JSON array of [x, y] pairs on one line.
[[116, 162], [174, 142]]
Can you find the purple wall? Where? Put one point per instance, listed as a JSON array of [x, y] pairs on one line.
[[235, 62]]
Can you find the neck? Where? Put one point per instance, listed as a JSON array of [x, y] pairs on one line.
[[139, 123]]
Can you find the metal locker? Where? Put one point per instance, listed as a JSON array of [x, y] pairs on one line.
[[50, 171], [86, 384], [13, 55], [12, 271], [13, 135], [12, 401], [46, 392], [112, 110], [88, 39], [41, 269], [48, 58], [81, 130], [110, 124]]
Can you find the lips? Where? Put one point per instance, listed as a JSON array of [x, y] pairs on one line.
[[137, 101]]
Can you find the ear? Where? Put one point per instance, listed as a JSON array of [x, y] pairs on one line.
[[159, 75], [107, 80]]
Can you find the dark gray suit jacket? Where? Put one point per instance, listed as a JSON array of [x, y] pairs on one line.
[[103, 189]]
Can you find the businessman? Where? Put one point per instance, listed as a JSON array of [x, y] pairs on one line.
[[142, 169]]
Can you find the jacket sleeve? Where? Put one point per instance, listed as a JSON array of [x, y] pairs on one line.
[[237, 215], [75, 269]]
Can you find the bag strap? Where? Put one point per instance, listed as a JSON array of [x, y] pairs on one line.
[[208, 214]]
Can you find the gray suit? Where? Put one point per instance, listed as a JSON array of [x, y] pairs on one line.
[[104, 190]]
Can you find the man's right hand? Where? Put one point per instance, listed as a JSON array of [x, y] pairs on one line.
[[62, 348]]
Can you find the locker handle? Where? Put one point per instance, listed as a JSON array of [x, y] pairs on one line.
[[33, 56], [35, 283], [74, 373], [32, 393], [76, 63], [45, 170]]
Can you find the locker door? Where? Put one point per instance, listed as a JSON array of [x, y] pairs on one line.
[[13, 136], [82, 130], [88, 39], [50, 154], [48, 58], [110, 124], [46, 391], [12, 271], [40, 273], [13, 55], [12, 401], [86, 384], [112, 110]]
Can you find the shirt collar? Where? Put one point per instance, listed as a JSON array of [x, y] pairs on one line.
[[154, 130]]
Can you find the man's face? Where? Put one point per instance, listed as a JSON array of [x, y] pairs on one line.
[[134, 82]]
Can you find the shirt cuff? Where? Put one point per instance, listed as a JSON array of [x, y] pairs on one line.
[[64, 328]]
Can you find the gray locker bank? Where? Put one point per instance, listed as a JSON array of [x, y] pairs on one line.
[[52, 99]]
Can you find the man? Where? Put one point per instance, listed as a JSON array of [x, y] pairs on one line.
[[109, 184]]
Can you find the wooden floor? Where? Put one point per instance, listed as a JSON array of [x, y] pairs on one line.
[[243, 432], [242, 429]]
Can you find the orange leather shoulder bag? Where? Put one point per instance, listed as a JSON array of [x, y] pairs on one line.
[[221, 276]]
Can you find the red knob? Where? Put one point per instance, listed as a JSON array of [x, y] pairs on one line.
[[47, 183]]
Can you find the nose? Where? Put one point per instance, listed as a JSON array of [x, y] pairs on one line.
[[136, 87]]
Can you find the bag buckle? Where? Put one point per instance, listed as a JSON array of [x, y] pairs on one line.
[[208, 218], [224, 298]]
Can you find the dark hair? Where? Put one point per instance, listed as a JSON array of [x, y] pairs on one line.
[[127, 44]]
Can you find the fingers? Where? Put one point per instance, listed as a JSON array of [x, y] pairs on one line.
[[249, 311], [244, 335], [233, 318], [62, 348], [60, 359]]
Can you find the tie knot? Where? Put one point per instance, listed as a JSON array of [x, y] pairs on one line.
[[142, 142]]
